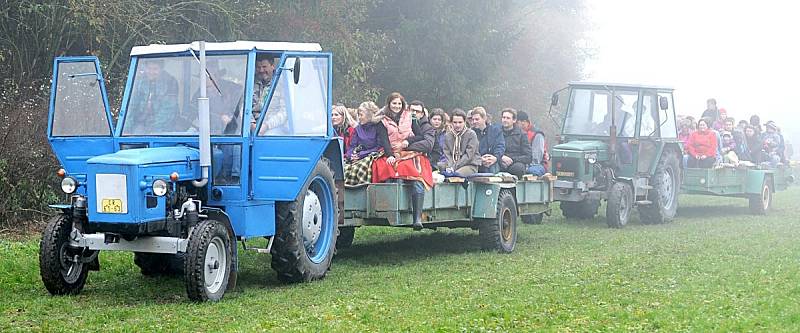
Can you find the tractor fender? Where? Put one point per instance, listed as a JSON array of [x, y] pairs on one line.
[[334, 152]]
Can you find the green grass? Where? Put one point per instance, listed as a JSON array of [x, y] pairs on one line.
[[716, 268]]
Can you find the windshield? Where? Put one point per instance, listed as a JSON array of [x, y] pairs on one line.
[[163, 99], [588, 112]]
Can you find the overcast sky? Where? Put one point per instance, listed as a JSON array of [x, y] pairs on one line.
[[746, 54]]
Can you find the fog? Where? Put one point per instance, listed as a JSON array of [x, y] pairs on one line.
[[744, 54]]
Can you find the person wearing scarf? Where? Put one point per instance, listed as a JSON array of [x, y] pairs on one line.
[[403, 164], [460, 148]]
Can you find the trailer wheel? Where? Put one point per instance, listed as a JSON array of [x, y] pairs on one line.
[[583, 210], [209, 259], [500, 233], [60, 266], [533, 219], [761, 203], [619, 205], [305, 235], [346, 236], [158, 264], [666, 184]]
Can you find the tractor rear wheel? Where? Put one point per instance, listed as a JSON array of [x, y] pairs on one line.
[[666, 184], [60, 265], [619, 205], [306, 229], [761, 203], [500, 233], [583, 210], [209, 259]]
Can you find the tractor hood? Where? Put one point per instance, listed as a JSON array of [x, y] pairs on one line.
[[144, 156], [582, 146]]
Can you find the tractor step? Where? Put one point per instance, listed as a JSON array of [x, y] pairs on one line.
[[646, 187], [644, 202]]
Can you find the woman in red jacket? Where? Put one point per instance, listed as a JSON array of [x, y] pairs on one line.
[[341, 121], [702, 146]]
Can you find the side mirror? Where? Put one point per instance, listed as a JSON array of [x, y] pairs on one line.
[[663, 103], [554, 99], [296, 70]]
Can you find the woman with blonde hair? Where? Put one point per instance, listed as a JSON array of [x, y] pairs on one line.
[[341, 121], [369, 141]]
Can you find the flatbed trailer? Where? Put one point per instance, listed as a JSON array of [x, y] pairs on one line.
[[756, 185], [490, 206]]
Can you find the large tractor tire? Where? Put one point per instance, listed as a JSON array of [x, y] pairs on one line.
[[619, 205], [582, 210], [346, 237], [500, 233], [761, 203], [306, 229], [666, 184], [209, 261], [61, 273]]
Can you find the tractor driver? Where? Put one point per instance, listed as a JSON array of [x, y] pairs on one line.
[[276, 112], [154, 105]]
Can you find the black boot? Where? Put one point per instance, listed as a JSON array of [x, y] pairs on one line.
[[416, 207]]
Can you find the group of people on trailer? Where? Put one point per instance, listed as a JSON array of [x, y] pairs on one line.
[[405, 143], [717, 140]]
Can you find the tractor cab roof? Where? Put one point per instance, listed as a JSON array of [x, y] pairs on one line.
[[618, 85], [239, 45]]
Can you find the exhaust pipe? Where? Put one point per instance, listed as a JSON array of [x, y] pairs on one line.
[[205, 123]]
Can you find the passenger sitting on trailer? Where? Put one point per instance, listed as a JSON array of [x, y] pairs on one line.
[[408, 161], [518, 149], [492, 146], [702, 146], [460, 147], [728, 149], [368, 142]]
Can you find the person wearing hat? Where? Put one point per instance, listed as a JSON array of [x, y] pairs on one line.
[[773, 143]]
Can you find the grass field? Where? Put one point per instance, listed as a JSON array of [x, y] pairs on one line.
[[716, 268]]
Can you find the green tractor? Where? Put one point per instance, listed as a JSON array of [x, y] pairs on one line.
[[618, 143]]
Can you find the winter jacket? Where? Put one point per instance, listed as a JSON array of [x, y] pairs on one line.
[[346, 133], [468, 152], [703, 143], [518, 148], [491, 141], [437, 154], [424, 137], [367, 139]]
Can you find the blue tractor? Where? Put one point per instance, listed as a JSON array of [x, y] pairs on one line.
[[215, 143]]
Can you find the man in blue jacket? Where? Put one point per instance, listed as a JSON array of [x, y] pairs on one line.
[[492, 144]]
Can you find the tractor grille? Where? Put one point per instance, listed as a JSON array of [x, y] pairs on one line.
[[566, 166]]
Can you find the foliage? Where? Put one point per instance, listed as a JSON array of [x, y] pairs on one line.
[[716, 268]]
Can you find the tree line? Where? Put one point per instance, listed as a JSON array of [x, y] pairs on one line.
[[506, 53]]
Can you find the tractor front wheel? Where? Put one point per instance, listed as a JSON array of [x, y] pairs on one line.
[[61, 266], [620, 202], [209, 259]]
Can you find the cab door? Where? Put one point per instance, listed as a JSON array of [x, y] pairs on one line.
[[79, 125]]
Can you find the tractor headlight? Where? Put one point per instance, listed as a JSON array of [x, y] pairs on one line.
[[159, 187], [69, 185], [591, 158]]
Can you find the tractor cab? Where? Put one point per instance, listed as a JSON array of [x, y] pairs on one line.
[[618, 142]]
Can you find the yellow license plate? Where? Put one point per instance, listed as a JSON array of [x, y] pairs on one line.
[[565, 174], [112, 206]]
